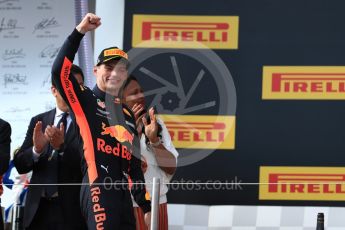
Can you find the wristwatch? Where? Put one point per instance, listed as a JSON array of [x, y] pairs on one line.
[[61, 148], [157, 143]]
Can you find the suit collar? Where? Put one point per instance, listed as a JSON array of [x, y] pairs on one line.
[[51, 116], [58, 112]]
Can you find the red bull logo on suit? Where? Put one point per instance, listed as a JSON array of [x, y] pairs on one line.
[[121, 134]]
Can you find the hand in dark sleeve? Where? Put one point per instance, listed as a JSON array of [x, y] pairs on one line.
[[24, 159], [63, 63], [64, 59]]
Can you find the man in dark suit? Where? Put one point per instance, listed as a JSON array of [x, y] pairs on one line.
[[5, 154], [52, 149]]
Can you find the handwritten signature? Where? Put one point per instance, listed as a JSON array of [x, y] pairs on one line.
[[49, 106], [4, 1], [17, 109], [46, 23], [10, 24], [46, 81], [12, 54], [49, 51], [14, 79]]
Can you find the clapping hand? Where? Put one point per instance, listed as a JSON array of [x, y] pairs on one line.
[[40, 140], [56, 135], [151, 128]]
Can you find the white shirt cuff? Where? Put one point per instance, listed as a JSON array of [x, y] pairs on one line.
[[35, 155]]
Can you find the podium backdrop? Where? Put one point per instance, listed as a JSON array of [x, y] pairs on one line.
[[281, 104]]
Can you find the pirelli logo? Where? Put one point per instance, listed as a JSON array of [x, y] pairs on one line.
[[302, 183], [304, 82], [201, 132], [113, 52], [167, 31]]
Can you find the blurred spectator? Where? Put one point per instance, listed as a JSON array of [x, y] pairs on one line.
[[159, 156], [51, 150], [5, 155]]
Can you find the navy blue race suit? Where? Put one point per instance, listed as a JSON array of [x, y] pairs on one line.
[[110, 145]]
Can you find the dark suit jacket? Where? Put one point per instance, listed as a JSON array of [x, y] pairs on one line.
[[5, 141], [69, 171], [5, 152]]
